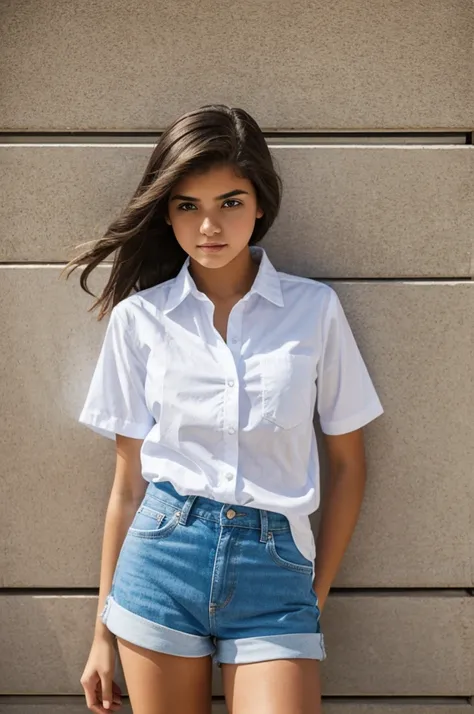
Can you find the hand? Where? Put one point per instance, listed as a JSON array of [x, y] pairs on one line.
[[96, 680]]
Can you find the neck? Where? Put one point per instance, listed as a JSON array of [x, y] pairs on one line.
[[234, 280]]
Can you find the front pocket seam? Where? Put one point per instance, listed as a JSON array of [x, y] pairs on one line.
[[285, 563], [160, 532]]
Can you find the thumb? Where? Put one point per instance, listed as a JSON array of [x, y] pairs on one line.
[[106, 685]]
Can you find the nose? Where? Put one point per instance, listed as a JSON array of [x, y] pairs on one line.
[[209, 228]]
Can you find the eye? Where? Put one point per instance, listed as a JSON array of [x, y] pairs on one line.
[[229, 200]]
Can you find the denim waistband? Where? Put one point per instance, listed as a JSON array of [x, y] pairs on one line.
[[228, 514]]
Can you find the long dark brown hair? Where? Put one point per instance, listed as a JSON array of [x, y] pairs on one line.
[[148, 252]]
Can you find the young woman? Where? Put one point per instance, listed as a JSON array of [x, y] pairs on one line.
[[207, 379]]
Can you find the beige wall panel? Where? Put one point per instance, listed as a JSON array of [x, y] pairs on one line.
[[416, 524], [408, 644], [319, 65], [366, 211], [76, 705], [415, 527], [377, 644]]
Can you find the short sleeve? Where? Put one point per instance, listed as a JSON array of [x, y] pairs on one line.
[[346, 396], [115, 402]]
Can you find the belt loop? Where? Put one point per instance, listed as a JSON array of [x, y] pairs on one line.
[[186, 509], [263, 526]]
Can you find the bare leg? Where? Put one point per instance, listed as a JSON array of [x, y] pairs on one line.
[[273, 687], [159, 683]]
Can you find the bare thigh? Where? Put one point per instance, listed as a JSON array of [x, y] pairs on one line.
[[159, 683], [273, 687]]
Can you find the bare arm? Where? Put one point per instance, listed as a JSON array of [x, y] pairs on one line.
[[127, 492], [340, 506]]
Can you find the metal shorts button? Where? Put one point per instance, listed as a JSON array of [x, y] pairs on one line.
[[231, 513]]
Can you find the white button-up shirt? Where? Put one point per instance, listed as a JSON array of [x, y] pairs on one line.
[[233, 420]]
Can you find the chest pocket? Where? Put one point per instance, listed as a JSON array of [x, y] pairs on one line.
[[286, 389]]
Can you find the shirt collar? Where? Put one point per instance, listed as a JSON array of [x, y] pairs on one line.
[[266, 283]]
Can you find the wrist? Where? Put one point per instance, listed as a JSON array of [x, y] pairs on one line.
[[102, 632], [322, 592]]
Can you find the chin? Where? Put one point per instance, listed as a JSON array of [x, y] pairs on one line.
[[214, 259]]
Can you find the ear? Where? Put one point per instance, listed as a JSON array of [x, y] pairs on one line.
[[167, 220], [260, 213]]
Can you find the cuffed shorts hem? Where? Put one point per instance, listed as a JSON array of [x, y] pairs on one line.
[[243, 650], [257, 649], [145, 633]]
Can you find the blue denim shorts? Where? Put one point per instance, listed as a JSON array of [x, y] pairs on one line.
[[199, 577]]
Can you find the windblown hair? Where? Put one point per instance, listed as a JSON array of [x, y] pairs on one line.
[[147, 250]]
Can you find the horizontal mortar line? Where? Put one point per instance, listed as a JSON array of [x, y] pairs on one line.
[[401, 279], [282, 143], [289, 132], [216, 699], [401, 591], [296, 139], [368, 279], [397, 699]]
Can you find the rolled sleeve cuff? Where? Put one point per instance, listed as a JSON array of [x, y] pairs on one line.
[[109, 425], [343, 426]]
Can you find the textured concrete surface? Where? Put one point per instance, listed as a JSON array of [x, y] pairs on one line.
[[316, 66], [360, 211], [379, 644]]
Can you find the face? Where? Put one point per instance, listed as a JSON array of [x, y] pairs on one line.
[[200, 214]]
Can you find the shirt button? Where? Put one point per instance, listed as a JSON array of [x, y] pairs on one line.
[[234, 340], [229, 476], [231, 430], [230, 382]]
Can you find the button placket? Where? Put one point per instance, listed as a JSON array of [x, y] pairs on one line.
[[231, 404], [231, 423], [231, 387], [231, 419], [234, 327]]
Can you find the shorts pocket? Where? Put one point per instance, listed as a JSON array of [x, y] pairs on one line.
[[152, 521], [284, 552], [286, 388]]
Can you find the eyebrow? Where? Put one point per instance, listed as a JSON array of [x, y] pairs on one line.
[[235, 192]]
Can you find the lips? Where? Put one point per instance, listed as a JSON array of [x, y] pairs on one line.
[[212, 247]]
